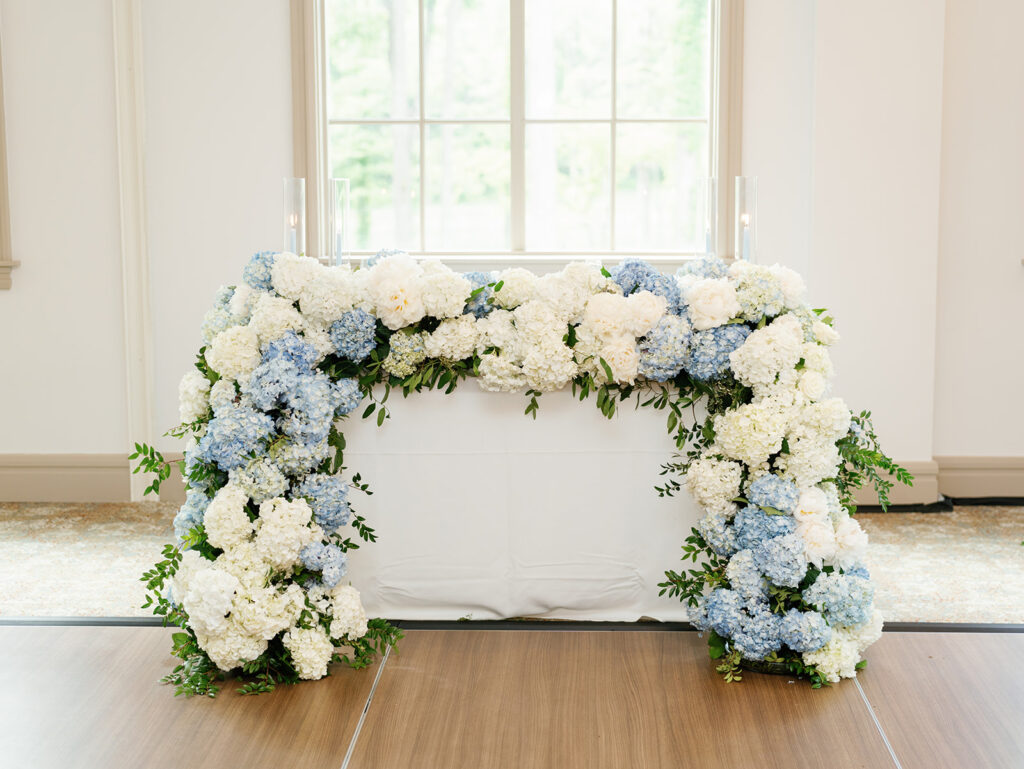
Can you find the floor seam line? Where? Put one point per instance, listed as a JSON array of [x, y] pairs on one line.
[[878, 724], [366, 709]]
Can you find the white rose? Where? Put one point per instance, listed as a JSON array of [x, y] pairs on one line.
[[712, 302], [812, 385], [824, 333]]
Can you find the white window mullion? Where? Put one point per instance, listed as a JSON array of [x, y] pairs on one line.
[[517, 127]]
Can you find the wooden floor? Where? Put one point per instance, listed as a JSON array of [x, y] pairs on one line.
[[89, 697]]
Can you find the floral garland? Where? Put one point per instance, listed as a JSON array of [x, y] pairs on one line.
[[256, 579]]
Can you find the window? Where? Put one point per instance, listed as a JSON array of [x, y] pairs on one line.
[[524, 127]]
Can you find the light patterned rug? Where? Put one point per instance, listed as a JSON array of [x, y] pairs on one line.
[[85, 560]]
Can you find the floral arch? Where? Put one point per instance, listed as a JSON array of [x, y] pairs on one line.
[[256, 578]]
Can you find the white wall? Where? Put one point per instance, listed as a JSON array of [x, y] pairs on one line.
[[62, 387], [218, 142], [980, 363]]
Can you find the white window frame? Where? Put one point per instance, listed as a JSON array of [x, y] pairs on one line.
[[310, 127]]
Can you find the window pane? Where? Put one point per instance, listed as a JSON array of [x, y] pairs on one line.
[[568, 187], [658, 169], [373, 59], [382, 163], [568, 59], [466, 55], [662, 58], [467, 183]]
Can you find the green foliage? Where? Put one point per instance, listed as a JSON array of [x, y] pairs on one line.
[[863, 458], [151, 461]]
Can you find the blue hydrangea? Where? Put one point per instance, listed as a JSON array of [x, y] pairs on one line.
[[858, 570], [478, 305], [293, 349], [698, 615], [745, 578], [329, 560], [716, 531], [663, 350], [191, 513], [236, 432], [272, 380], [754, 525], [634, 275], [354, 335], [296, 458], [312, 403], [256, 273], [328, 498], [349, 396], [804, 631], [760, 294], [781, 560], [758, 634], [724, 611], [844, 599], [217, 319], [382, 254], [708, 356], [772, 491], [705, 267]]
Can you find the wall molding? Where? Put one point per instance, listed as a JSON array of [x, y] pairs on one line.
[[106, 478], [7, 262], [977, 477], [64, 478], [138, 342]]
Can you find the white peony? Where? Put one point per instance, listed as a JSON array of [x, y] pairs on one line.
[[226, 521], [234, 352], [621, 355], [851, 541], [819, 540], [193, 396], [712, 302], [393, 286], [643, 311]]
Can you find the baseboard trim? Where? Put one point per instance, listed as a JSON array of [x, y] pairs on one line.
[[925, 490], [977, 477], [106, 478], [64, 478]]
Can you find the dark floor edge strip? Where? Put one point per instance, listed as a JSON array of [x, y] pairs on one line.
[[878, 724], [512, 624]]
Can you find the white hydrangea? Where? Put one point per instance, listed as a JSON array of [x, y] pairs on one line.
[[712, 302], [222, 393], [827, 420], [242, 301], [547, 363], [264, 612], [273, 317], [393, 286], [245, 564], [234, 352], [569, 290], [226, 521], [331, 295], [498, 330], [291, 274], [867, 633], [311, 651], [444, 292], [816, 358], [714, 483], [231, 646], [193, 396], [283, 529], [851, 543], [453, 339], [320, 338], [190, 563], [768, 351], [752, 432], [793, 287], [836, 659], [611, 316], [811, 459], [517, 287], [499, 373], [348, 617], [207, 598]]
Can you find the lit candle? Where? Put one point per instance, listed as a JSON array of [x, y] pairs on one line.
[[745, 220], [293, 221]]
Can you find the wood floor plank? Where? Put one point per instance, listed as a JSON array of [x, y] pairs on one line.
[[949, 699], [485, 700], [90, 697]]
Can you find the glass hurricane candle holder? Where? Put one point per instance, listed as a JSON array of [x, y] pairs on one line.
[[746, 217], [294, 240]]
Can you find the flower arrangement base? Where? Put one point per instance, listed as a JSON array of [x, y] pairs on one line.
[[769, 668]]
